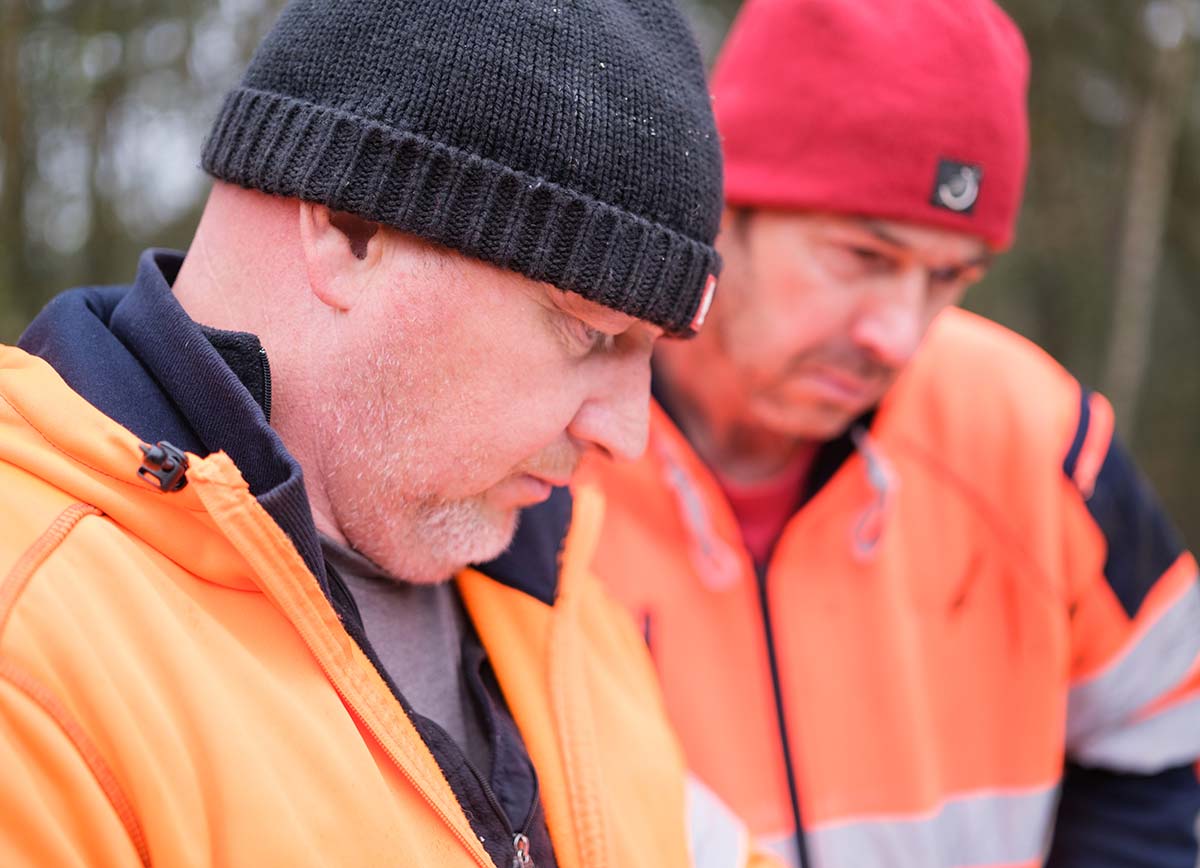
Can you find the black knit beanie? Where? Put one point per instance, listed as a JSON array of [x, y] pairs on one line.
[[569, 140]]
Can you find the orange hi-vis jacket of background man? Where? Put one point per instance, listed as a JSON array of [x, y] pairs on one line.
[[982, 591], [176, 690]]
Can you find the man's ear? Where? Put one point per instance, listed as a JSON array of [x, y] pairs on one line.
[[735, 220], [340, 251]]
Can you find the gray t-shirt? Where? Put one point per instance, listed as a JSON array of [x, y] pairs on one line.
[[417, 632]]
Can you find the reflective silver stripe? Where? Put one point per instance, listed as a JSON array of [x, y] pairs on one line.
[[972, 831], [1157, 661], [717, 837], [1162, 741], [786, 848]]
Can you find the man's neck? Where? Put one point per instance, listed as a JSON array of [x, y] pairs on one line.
[[734, 449]]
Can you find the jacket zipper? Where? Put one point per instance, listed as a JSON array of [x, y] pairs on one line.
[[350, 617], [266, 375], [521, 858], [880, 478], [437, 808], [702, 533], [781, 718], [520, 841], [470, 842]]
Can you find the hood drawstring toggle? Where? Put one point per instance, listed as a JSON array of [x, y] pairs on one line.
[[164, 465]]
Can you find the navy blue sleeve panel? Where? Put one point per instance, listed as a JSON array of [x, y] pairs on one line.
[[1142, 542], [1112, 820]]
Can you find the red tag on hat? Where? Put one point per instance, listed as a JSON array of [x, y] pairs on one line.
[[710, 289]]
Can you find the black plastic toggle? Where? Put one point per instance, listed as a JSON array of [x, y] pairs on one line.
[[165, 465]]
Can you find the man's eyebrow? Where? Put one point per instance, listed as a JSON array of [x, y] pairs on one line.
[[881, 232], [580, 307], [983, 260]]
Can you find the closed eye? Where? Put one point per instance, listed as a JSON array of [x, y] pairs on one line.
[[871, 259], [956, 275], [946, 275], [589, 338]]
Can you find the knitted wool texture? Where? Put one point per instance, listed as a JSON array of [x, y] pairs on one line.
[[569, 140], [868, 106]]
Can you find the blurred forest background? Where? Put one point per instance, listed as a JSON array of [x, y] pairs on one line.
[[104, 103]]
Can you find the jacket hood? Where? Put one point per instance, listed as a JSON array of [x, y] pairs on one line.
[[51, 432]]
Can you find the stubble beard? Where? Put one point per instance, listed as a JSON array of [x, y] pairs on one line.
[[386, 510], [422, 539], [435, 540]]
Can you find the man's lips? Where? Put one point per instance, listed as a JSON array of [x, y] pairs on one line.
[[836, 384], [526, 489], [557, 481]]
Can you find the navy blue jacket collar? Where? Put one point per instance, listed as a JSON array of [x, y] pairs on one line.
[[135, 354], [531, 563]]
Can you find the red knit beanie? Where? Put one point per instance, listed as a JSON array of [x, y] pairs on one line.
[[900, 109]]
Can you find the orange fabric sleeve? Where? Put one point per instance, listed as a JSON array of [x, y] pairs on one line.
[[56, 811]]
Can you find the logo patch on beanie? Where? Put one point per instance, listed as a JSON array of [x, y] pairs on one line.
[[956, 187]]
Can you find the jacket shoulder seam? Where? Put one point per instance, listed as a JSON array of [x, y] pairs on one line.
[[996, 370], [34, 556], [40, 695], [981, 505]]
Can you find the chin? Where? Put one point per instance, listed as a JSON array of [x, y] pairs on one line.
[[491, 537], [497, 538], [832, 426], [437, 542], [817, 424]]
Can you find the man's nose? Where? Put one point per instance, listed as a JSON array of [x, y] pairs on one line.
[[889, 324], [616, 415]]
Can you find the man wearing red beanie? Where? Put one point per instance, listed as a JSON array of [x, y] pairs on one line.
[[910, 600]]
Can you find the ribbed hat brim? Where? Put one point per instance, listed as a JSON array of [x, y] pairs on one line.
[[290, 147]]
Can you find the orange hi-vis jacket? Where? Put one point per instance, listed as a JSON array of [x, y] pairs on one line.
[[980, 594], [175, 688]]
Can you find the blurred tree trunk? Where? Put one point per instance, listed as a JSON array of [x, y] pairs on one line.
[[13, 265], [1147, 197], [104, 246]]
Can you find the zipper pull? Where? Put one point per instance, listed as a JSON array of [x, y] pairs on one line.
[[521, 857], [869, 527], [164, 465]]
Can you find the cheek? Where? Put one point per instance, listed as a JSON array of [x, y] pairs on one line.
[[514, 403], [522, 419], [764, 338]]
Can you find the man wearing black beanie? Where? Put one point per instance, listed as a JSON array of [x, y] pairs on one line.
[[239, 497]]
